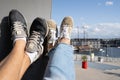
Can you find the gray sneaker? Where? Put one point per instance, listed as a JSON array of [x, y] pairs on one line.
[[18, 25], [66, 27], [52, 31], [38, 31], [52, 34]]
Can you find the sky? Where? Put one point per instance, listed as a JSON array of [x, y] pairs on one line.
[[98, 18]]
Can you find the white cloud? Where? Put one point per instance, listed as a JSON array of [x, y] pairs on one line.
[[106, 30], [86, 26], [97, 30], [101, 30], [76, 32], [109, 3]]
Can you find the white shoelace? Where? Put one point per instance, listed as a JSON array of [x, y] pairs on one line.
[[52, 35], [18, 27], [35, 38], [18, 31], [65, 32]]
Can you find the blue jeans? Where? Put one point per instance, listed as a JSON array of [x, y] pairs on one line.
[[61, 64]]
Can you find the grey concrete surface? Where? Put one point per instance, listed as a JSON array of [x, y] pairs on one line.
[[93, 73]]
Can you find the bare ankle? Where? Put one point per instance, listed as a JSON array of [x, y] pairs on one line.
[[65, 40], [20, 44]]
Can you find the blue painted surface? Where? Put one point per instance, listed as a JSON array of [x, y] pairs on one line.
[[100, 66]]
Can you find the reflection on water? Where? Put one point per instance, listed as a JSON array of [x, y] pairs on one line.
[[110, 52], [107, 52]]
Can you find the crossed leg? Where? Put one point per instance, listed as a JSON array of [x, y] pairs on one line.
[[23, 54], [15, 64], [10, 68]]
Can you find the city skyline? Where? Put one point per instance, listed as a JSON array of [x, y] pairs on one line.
[[100, 16]]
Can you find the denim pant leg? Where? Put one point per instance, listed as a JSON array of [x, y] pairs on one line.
[[61, 64]]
